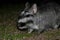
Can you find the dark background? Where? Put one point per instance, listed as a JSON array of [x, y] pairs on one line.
[[16, 4], [24, 1]]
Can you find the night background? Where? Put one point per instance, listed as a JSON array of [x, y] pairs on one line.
[[8, 16], [24, 1]]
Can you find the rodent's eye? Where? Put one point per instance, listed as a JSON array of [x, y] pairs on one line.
[[28, 15], [30, 21]]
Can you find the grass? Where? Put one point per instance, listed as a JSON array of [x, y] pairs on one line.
[[8, 30]]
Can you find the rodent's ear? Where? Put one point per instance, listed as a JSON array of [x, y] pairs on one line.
[[27, 5], [34, 8]]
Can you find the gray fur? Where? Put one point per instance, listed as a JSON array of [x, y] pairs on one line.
[[43, 18]]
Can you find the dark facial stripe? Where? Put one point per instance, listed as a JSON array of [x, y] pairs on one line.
[[30, 21], [21, 24], [20, 17], [28, 15]]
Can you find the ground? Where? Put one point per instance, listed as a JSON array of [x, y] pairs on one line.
[[9, 31]]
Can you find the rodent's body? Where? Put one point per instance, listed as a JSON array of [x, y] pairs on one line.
[[39, 19]]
